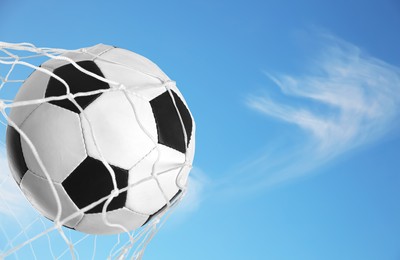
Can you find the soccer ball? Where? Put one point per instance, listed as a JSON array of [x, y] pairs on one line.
[[126, 126]]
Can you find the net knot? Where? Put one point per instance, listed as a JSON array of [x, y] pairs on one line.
[[120, 87], [2, 105], [114, 193], [169, 83], [156, 221], [70, 96], [57, 225]]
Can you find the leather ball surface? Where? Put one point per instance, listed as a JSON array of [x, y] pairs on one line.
[[139, 138]]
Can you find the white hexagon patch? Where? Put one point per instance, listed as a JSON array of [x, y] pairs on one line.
[[56, 134], [117, 134]]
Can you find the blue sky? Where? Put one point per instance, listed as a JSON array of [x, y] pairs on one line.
[[297, 113]]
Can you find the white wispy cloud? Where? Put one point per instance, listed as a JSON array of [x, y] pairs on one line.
[[198, 182], [346, 99]]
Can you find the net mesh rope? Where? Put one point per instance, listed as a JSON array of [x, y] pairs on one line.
[[24, 232]]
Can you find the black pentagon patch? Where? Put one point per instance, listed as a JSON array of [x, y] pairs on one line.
[[15, 155], [91, 181], [162, 208], [169, 128], [77, 82]]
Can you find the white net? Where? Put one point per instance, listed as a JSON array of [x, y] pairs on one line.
[[26, 234]]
